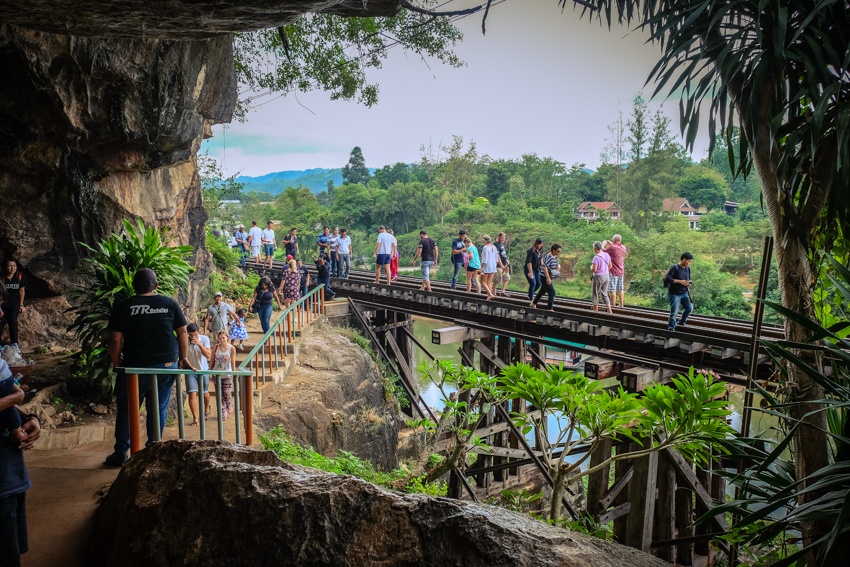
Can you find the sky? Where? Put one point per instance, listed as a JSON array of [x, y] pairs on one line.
[[540, 81]]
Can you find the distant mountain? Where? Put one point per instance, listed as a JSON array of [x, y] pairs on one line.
[[275, 183]]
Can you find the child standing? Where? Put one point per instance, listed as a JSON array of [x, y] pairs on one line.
[[224, 358], [239, 332]]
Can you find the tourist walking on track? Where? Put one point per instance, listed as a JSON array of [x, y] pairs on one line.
[[600, 267], [384, 251], [458, 251], [269, 244], [290, 243], [427, 249], [551, 270], [617, 252], [344, 253], [532, 268], [255, 238], [503, 273], [489, 263], [394, 258], [473, 266], [678, 283], [145, 331], [224, 358]]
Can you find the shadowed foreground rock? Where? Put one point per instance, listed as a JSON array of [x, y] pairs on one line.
[[209, 504]]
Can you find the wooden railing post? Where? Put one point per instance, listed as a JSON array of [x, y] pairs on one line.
[[248, 411], [322, 300], [133, 413]]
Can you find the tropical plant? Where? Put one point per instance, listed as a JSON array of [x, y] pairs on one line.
[[770, 485], [108, 275], [687, 416], [777, 70]]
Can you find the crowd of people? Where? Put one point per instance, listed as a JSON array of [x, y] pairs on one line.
[[488, 270]]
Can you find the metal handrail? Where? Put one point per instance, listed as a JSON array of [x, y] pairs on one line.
[[280, 332]]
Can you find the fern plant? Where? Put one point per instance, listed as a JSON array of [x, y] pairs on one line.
[[108, 273]]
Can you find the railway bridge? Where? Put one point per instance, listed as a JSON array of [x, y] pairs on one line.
[[630, 347]]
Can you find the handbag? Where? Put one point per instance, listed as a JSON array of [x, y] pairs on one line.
[[255, 307]]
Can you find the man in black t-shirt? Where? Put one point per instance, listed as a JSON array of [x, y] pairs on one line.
[[427, 248], [458, 249], [678, 283], [145, 331], [13, 304], [503, 273], [532, 267]]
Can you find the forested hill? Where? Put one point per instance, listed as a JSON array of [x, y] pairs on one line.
[[316, 180]]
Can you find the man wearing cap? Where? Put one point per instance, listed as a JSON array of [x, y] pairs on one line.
[[458, 249], [242, 243], [217, 315], [147, 330]]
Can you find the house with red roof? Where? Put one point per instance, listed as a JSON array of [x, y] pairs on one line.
[[593, 210], [681, 206]]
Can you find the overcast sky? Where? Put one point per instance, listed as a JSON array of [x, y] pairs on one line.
[[540, 81]]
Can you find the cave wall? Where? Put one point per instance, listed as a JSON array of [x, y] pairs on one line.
[[95, 130]]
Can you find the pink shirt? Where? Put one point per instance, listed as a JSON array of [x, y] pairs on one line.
[[617, 252]]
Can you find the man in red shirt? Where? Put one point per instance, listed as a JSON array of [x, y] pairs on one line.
[[617, 252]]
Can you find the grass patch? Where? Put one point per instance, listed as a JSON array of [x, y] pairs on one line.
[[348, 463]]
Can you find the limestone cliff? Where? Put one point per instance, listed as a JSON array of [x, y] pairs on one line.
[[102, 109], [333, 399]]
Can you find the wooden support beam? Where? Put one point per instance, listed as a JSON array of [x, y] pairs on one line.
[[683, 468], [621, 469], [597, 483], [457, 334], [665, 518], [503, 452], [614, 513], [684, 529], [642, 497], [622, 482]]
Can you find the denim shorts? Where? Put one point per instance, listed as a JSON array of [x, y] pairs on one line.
[[269, 249], [615, 283], [192, 382], [426, 269]]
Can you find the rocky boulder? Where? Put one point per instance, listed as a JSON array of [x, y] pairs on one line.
[[333, 399], [212, 504]]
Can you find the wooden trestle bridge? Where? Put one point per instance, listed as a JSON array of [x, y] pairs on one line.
[[651, 500]]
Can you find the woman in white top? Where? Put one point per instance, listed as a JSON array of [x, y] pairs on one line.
[[489, 261], [224, 358]]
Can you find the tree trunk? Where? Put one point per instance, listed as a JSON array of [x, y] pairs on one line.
[[559, 488], [796, 286]]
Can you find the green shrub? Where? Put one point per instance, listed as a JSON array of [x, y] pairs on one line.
[[348, 463], [224, 257], [108, 273]]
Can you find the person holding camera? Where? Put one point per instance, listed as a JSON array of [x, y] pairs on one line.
[[678, 283]]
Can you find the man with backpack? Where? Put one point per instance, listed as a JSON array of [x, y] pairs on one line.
[[678, 283]]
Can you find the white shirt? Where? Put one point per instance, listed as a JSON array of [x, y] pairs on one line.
[[345, 245], [333, 242], [196, 358], [386, 241], [267, 236], [255, 234]]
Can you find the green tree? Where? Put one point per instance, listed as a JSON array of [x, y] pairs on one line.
[[457, 173], [638, 130], [778, 69], [389, 174], [354, 205], [702, 186], [333, 53], [614, 158], [355, 171], [742, 188]]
